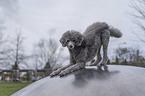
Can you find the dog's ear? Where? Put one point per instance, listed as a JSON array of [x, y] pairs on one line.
[[63, 41], [64, 38], [80, 39]]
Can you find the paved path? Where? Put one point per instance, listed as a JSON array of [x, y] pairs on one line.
[[119, 81]]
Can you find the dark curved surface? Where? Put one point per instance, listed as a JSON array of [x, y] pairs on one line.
[[119, 81]]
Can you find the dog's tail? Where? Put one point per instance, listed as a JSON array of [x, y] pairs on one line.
[[114, 32]]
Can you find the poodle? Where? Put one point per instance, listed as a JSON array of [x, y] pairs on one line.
[[84, 47]]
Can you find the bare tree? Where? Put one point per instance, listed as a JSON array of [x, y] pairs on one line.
[[139, 14], [121, 54], [48, 54], [130, 55], [3, 49], [16, 55], [3, 42]]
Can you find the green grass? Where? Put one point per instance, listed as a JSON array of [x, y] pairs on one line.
[[7, 89]]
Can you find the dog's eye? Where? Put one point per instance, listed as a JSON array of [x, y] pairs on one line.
[[74, 41], [67, 41]]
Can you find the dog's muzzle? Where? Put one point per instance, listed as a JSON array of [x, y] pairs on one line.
[[70, 45]]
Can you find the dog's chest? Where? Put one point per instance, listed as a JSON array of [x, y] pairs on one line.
[[78, 53]]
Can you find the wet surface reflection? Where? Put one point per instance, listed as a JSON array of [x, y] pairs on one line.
[[82, 77]]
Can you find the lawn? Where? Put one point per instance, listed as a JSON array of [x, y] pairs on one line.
[[6, 89]]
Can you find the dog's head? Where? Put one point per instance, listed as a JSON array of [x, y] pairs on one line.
[[71, 39]]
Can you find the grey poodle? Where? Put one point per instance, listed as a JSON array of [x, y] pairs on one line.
[[84, 47]]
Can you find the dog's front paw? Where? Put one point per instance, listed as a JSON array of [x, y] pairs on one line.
[[54, 73], [62, 73]]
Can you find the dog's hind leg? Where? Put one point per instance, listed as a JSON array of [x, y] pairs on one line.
[[105, 41], [98, 61], [99, 58]]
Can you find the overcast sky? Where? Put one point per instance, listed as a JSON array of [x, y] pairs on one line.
[[51, 18]]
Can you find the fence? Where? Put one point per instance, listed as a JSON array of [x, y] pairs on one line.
[[23, 75]]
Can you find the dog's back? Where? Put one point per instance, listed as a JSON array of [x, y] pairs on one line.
[[98, 27], [93, 32], [95, 28]]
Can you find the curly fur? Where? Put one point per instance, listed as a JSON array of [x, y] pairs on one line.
[[84, 47]]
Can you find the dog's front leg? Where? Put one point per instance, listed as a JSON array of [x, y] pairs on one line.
[[54, 73], [79, 58], [72, 62], [72, 68]]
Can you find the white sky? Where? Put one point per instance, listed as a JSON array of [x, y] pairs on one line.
[[42, 18]]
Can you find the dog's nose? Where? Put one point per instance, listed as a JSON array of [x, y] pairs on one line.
[[71, 46]]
